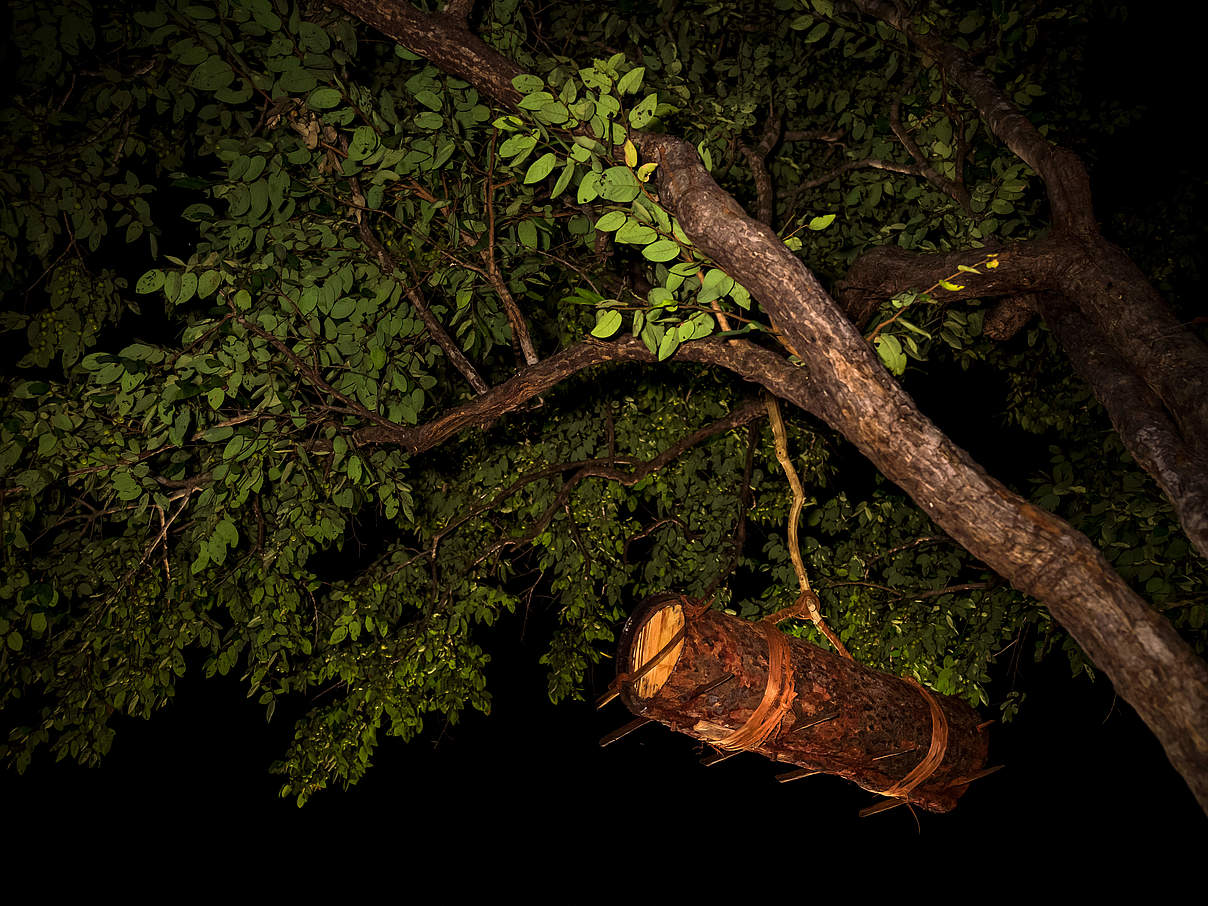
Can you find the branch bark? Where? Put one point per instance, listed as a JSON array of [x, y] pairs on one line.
[[1137, 414], [1037, 552]]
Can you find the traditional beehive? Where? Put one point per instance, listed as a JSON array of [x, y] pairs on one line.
[[743, 686]]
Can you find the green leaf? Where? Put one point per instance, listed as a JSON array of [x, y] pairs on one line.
[[429, 99], [668, 344], [611, 221], [298, 80], [702, 325], [211, 74], [149, 282], [517, 144], [817, 33], [197, 212], [636, 233], [324, 98], [821, 222], [608, 322], [660, 297], [428, 120], [568, 173], [541, 167], [527, 84], [631, 81], [890, 352], [364, 142], [188, 286], [716, 283], [207, 283], [535, 101], [641, 115], [619, 184], [661, 250], [589, 187], [740, 295], [527, 234]]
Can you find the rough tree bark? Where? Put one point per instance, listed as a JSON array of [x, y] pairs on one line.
[[845, 385]]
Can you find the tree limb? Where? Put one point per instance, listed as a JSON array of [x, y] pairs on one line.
[[1137, 415], [953, 188], [886, 270], [435, 329], [520, 330]]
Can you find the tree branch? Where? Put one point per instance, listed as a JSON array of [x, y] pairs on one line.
[[1063, 173], [954, 189], [757, 160], [538, 379], [743, 414], [435, 329], [1137, 415], [520, 330], [886, 270]]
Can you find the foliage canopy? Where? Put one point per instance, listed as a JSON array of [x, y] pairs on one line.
[[245, 242]]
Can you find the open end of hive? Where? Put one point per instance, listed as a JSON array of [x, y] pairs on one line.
[[658, 630]]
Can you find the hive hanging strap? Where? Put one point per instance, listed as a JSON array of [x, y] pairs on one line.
[[778, 696], [807, 606], [931, 761]]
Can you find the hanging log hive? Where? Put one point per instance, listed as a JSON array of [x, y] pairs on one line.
[[743, 686]]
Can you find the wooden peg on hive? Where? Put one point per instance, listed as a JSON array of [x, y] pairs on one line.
[[622, 732]]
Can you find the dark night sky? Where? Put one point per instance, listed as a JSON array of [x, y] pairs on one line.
[[1081, 769]]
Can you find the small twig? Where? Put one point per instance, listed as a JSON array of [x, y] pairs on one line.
[[954, 189], [519, 326]]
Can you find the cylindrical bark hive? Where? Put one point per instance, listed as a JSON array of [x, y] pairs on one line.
[[884, 732]]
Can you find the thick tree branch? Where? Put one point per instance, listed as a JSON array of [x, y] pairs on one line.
[[846, 385], [886, 270], [1008, 317], [1037, 552], [1137, 414], [1115, 296], [444, 40]]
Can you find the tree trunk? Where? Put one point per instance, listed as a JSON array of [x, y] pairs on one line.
[[831, 715]]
